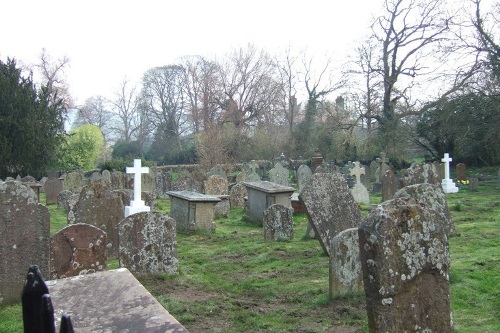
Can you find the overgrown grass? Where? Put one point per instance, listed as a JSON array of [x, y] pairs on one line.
[[233, 281]]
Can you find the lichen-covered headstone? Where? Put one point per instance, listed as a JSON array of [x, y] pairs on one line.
[[421, 173], [62, 199], [217, 185], [278, 223], [77, 249], [118, 180], [329, 207], [24, 238], [53, 187], [390, 185], [345, 265], [279, 175], [237, 195], [304, 174], [405, 261], [358, 190], [73, 182], [186, 183], [163, 184], [103, 208], [148, 243]]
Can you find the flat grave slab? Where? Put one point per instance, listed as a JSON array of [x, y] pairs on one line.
[[110, 301]]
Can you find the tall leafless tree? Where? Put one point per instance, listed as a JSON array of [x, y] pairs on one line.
[[96, 111], [125, 106]]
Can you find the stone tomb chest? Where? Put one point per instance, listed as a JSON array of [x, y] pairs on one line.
[[261, 195], [192, 210]]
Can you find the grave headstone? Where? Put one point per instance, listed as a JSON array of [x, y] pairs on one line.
[[62, 199], [96, 177], [460, 168], [77, 249], [118, 180], [73, 182], [405, 261], [438, 169], [163, 184], [53, 186], [186, 183], [101, 207], [358, 190], [329, 206], [148, 243], [24, 238], [216, 185], [447, 183], [365, 178], [345, 265], [304, 174], [106, 177], [420, 173], [278, 223], [473, 184], [137, 204], [373, 170], [237, 195], [279, 175], [390, 185]]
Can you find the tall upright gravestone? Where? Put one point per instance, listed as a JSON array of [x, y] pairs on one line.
[[404, 254], [24, 238], [330, 207]]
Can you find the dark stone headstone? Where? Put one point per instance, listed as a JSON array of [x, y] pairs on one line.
[[329, 206], [461, 172], [148, 243], [278, 223], [390, 185], [237, 195], [53, 186], [77, 249], [62, 199], [24, 238], [103, 208], [421, 173], [405, 261]]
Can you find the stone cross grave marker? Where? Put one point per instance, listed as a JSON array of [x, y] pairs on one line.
[[447, 183], [382, 160], [357, 171], [359, 191], [136, 204]]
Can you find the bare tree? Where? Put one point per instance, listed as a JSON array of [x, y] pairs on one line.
[[125, 106], [249, 85], [202, 91], [96, 111], [488, 44], [53, 77], [289, 78]]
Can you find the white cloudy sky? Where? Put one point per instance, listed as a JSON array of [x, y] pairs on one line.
[[109, 40]]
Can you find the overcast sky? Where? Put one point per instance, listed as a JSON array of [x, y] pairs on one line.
[[108, 40]]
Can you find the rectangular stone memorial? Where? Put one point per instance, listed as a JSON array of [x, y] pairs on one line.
[[192, 210], [111, 301], [261, 195]]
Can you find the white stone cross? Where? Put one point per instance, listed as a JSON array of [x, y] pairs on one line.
[[357, 171], [446, 159], [136, 204], [447, 184]]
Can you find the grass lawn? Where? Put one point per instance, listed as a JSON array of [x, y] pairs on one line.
[[233, 281]]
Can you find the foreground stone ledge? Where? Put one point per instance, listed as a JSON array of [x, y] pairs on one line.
[[111, 301]]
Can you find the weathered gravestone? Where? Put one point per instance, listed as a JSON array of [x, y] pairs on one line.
[[106, 177], [110, 301], [103, 208], [405, 261], [304, 174], [62, 199], [329, 206], [186, 183], [345, 265], [460, 168], [73, 182], [24, 238], [219, 186], [96, 177], [358, 190], [148, 243], [473, 184], [53, 186], [390, 185], [118, 180], [278, 223], [279, 175], [77, 249], [216, 170], [421, 173], [163, 184], [237, 195]]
